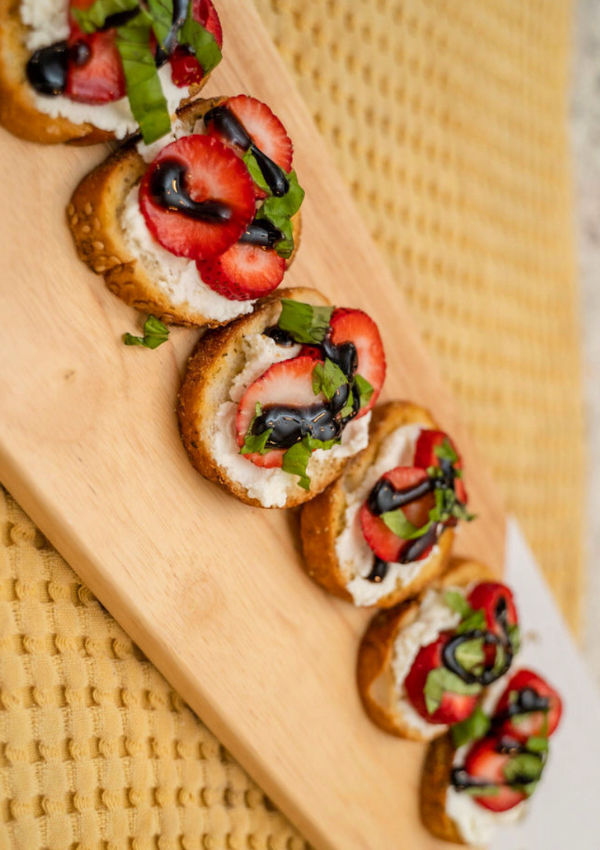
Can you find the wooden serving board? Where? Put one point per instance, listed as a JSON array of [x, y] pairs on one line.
[[211, 590]]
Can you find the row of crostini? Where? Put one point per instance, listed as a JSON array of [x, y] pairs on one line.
[[195, 220]]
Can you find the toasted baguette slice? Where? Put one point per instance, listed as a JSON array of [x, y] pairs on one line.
[[18, 112], [322, 519], [217, 360], [94, 216], [375, 676], [435, 782]]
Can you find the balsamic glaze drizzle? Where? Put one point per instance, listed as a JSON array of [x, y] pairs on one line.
[[165, 50], [47, 69], [228, 125], [262, 232], [461, 780], [167, 188], [322, 420], [488, 674]]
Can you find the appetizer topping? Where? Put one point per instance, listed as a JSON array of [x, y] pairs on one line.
[[245, 271], [155, 333], [506, 760], [448, 675], [409, 507], [529, 707], [197, 197], [115, 48], [304, 403]]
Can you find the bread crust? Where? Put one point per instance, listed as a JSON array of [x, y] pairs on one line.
[[18, 112], [218, 358], [322, 519], [374, 674], [94, 215], [435, 782]]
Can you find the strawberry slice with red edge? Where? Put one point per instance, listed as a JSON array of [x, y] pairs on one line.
[[497, 603], [453, 707], [212, 172], [487, 762], [425, 456], [287, 383], [381, 539], [524, 685], [355, 326], [185, 68], [243, 272], [95, 72], [263, 126]]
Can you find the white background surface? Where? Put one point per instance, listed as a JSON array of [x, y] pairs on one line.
[[564, 813]]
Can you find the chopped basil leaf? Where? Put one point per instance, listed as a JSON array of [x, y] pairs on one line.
[[295, 460], [94, 17], [482, 791], [161, 12], [146, 98], [365, 390], [446, 452], [327, 378], [523, 768], [537, 744], [514, 636], [256, 442], [527, 789], [471, 729], [255, 172], [476, 620], [201, 41], [441, 680], [304, 322], [499, 660], [447, 506], [457, 602], [471, 655], [397, 522], [155, 333], [280, 211], [347, 409]]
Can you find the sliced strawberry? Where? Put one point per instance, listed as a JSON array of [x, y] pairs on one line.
[[381, 539], [486, 762], [185, 68], [524, 685], [497, 602], [425, 457], [243, 272], [264, 128], [95, 73], [212, 173], [453, 707], [288, 383], [356, 327]]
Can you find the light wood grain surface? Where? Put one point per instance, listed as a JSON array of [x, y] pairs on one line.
[[210, 589]]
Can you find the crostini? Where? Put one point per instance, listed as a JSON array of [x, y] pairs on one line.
[[273, 405], [91, 70], [195, 228], [424, 665], [384, 529], [477, 780]]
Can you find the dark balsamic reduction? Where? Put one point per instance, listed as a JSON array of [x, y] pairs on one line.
[[48, 67], [379, 571], [165, 50], [262, 232], [384, 497], [322, 420], [167, 188], [527, 700], [291, 423], [418, 546], [119, 19], [228, 125], [488, 674]]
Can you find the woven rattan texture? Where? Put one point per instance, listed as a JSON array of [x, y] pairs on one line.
[[96, 751], [448, 121]]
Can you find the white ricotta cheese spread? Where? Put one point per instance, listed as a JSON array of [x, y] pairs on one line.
[[271, 487], [48, 22], [177, 277], [434, 617], [353, 551]]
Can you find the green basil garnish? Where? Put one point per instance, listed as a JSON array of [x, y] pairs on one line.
[[304, 322], [441, 680], [472, 729], [155, 333]]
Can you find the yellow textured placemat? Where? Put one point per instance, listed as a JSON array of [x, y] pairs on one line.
[[96, 750], [448, 120]]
